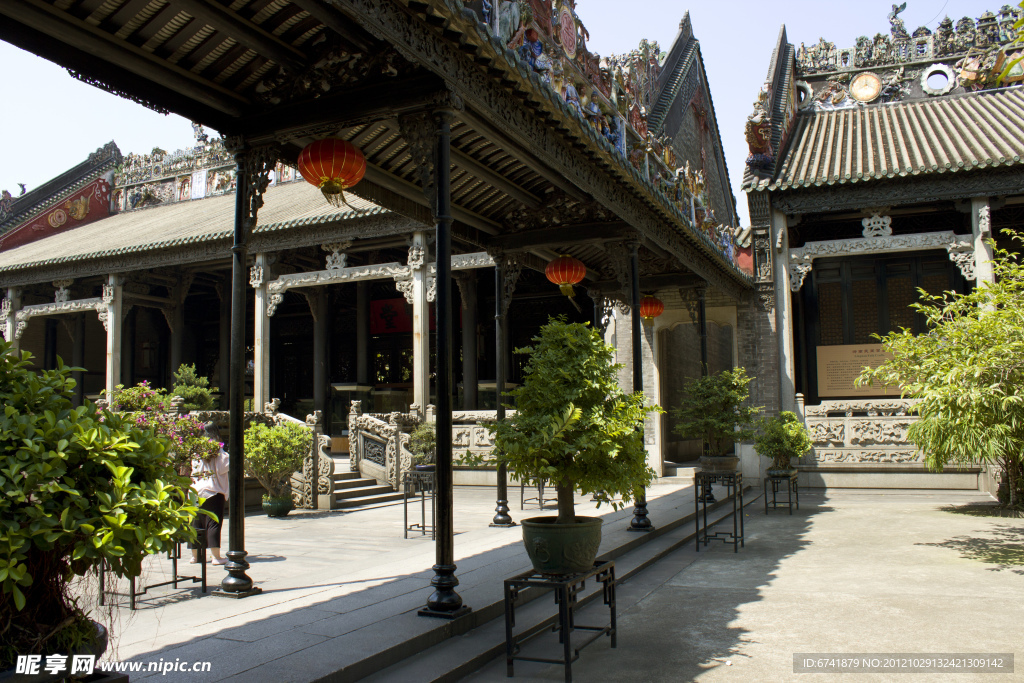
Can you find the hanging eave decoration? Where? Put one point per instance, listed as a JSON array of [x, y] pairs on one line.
[[566, 271], [334, 165], [650, 308]]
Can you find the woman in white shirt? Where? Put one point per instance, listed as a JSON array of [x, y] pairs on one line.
[[210, 480]]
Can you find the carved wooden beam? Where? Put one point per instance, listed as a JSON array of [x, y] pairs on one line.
[[562, 235], [57, 25], [495, 179], [653, 282], [330, 113], [245, 32], [336, 23], [564, 161]]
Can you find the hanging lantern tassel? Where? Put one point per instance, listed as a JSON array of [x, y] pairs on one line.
[[334, 165], [566, 271]]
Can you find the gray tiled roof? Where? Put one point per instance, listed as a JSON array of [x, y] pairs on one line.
[[285, 206], [941, 135]]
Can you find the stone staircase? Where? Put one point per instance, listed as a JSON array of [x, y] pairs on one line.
[[679, 472], [352, 491]]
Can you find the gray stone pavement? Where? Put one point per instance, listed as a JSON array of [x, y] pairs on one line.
[[340, 588], [852, 572]]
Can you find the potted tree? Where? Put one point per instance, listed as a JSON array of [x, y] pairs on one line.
[[272, 454], [575, 427], [715, 409], [78, 487], [782, 438], [423, 444]]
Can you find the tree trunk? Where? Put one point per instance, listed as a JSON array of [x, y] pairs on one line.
[[566, 504]]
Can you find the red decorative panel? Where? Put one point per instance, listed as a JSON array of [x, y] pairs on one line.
[[392, 316], [90, 203]]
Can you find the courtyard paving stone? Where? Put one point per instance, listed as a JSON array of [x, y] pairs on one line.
[[852, 572]]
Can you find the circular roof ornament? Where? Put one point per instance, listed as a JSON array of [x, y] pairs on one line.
[[943, 82], [866, 87]]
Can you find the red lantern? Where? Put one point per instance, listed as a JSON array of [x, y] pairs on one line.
[[333, 165], [566, 271], [650, 308]]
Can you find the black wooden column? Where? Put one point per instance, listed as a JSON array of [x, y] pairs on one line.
[[702, 321], [78, 358], [639, 521], [444, 601], [237, 583], [501, 516]]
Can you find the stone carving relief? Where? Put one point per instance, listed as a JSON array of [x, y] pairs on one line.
[[852, 432], [985, 221], [277, 288], [23, 315], [877, 226], [337, 258], [63, 290], [256, 277], [956, 245], [469, 261]]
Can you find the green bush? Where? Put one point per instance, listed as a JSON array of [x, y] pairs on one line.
[[423, 443], [194, 389], [781, 438], [573, 424], [140, 398], [714, 408], [273, 453], [80, 486]]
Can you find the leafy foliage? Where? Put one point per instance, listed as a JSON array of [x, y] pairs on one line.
[[272, 453], [193, 388], [147, 408], [573, 424], [968, 371], [80, 486], [423, 443], [714, 408], [782, 437]]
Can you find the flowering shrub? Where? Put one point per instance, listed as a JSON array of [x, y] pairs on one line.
[[146, 408]]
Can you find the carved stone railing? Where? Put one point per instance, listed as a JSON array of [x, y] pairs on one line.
[[317, 460], [379, 443], [861, 433]]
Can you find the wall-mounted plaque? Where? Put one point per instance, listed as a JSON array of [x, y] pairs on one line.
[[839, 366]]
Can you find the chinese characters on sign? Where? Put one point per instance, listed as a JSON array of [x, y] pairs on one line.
[[839, 366]]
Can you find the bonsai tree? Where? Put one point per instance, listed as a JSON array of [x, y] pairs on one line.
[[79, 487], [573, 424], [423, 444], [781, 438], [273, 453], [968, 372], [193, 388], [715, 409]]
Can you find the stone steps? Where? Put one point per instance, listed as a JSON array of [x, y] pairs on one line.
[[366, 500], [455, 657]]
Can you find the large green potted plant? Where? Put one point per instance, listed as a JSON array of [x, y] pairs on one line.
[[272, 454], [575, 427], [78, 486], [781, 438], [193, 388], [714, 408]]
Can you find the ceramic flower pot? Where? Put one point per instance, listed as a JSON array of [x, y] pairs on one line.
[[562, 548], [277, 507], [719, 463]]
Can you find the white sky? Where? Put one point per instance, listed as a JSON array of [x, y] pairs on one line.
[[51, 122]]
